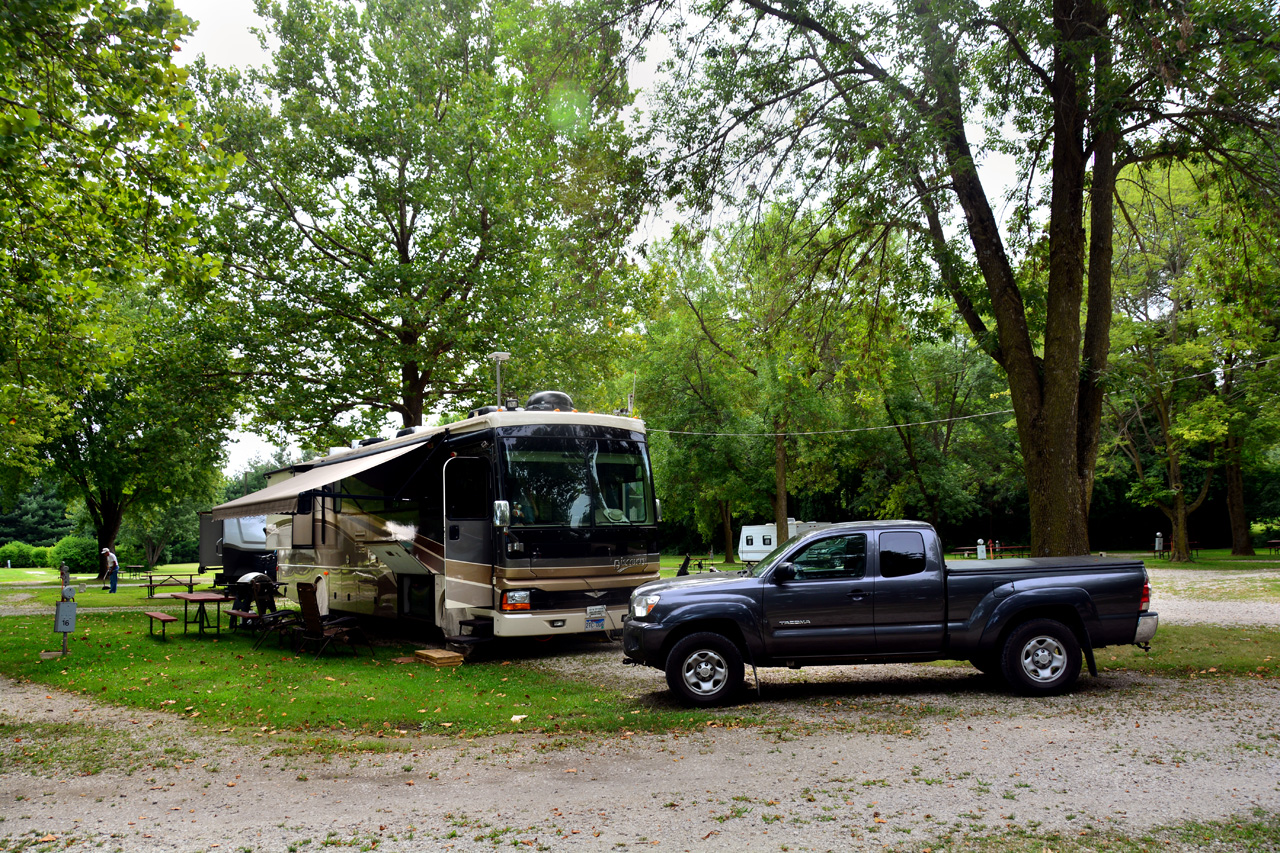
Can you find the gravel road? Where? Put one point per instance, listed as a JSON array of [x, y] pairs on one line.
[[1124, 753]]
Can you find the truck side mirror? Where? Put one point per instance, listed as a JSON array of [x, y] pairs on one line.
[[501, 514], [784, 572]]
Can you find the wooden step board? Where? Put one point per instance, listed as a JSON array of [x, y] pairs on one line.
[[438, 657]]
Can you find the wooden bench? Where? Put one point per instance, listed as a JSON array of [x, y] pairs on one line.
[[154, 580], [244, 617], [163, 618]]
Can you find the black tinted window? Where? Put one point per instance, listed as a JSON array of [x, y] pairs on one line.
[[838, 557], [466, 488], [901, 553]]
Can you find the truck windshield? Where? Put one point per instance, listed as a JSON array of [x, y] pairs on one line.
[[577, 482]]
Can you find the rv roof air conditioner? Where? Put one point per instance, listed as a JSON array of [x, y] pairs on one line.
[[546, 401]]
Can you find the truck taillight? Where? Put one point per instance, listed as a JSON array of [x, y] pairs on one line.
[[1146, 597]]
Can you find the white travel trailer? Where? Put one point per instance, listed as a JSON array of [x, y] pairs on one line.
[[532, 522], [757, 540]]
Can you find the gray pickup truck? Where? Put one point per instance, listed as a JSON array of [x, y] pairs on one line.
[[881, 592]]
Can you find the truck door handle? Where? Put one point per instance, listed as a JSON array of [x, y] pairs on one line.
[[857, 594]]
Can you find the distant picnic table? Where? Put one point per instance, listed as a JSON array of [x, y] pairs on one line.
[[157, 580]]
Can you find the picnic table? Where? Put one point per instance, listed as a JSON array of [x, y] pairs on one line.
[[155, 579], [201, 618], [1273, 545]]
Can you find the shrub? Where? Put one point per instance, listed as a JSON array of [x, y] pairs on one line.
[[80, 552], [17, 554], [40, 556]]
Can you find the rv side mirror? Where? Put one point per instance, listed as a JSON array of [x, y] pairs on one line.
[[784, 572], [501, 514], [657, 510]]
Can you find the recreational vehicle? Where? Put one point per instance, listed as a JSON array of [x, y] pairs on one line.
[[532, 522], [757, 540], [237, 546]]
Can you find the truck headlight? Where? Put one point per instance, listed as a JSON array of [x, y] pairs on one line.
[[515, 599], [642, 605]]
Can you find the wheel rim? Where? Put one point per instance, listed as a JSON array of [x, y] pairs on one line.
[[1043, 659], [705, 672]]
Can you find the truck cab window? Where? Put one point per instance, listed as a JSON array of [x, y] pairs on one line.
[[901, 554], [837, 557]]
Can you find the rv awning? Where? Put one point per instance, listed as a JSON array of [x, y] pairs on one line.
[[282, 498]]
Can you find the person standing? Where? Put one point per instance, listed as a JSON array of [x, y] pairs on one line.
[[113, 568]]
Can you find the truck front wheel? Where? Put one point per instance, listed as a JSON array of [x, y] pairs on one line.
[[1041, 658], [705, 669]]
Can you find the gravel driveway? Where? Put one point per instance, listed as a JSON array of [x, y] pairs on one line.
[[860, 758]]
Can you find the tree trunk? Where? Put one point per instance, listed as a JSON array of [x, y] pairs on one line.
[[1059, 452], [1241, 537], [727, 523], [780, 511]]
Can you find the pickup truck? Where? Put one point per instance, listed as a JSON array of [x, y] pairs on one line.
[[881, 592]]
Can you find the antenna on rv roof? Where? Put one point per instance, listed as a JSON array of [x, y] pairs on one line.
[[631, 398], [498, 358]]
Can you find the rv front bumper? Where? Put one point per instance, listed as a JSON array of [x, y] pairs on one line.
[[542, 623]]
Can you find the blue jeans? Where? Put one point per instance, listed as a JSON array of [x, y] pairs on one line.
[[113, 576]]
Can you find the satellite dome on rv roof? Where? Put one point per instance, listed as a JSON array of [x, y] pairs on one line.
[[545, 401]]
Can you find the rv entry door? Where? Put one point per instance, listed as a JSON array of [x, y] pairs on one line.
[[468, 533]]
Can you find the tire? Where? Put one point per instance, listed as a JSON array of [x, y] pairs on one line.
[[705, 669], [1041, 658]]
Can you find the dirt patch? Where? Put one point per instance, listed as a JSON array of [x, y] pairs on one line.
[[1123, 753], [852, 758]]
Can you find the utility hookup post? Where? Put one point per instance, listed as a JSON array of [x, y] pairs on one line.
[[64, 620], [982, 550]]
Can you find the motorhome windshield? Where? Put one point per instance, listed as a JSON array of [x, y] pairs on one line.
[[577, 482]]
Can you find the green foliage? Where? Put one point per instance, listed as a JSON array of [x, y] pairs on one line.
[[422, 183], [38, 515], [98, 168], [79, 552], [1197, 276], [20, 555], [867, 113]]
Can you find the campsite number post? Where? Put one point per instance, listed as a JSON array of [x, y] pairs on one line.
[[64, 617]]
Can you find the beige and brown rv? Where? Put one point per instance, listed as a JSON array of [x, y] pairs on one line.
[[525, 523]]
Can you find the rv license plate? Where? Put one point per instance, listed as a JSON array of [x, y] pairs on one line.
[[596, 611], [595, 625]]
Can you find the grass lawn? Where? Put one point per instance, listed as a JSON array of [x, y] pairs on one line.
[[224, 684]]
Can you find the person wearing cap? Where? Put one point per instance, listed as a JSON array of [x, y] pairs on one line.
[[113, 568]]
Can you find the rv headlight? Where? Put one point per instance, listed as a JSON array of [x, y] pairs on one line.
[[515, 599], [642, 605]]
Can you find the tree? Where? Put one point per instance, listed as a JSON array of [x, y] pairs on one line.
[[869, 112], [98, 168], [940, 398], [150, 433], [1192, 342], [760, 338], [424, 182], [37, 515]]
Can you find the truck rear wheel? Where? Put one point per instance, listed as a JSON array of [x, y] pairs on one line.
[[1041, 658], [705, 669]]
